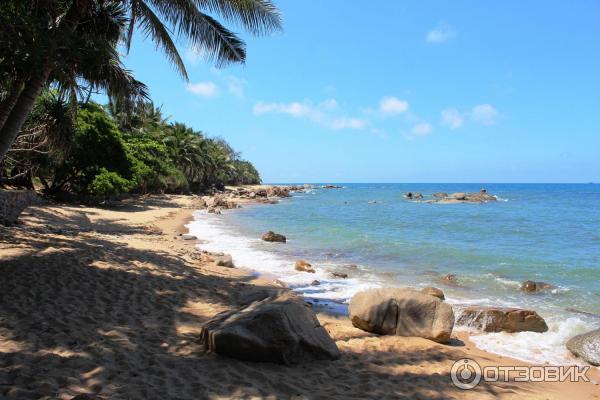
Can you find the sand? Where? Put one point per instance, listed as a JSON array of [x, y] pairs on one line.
[[110, 302]]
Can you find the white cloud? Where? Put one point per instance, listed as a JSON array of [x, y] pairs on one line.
[[392, 105], [329, 104], [347, 123], [320, 114], [422, 129], [205, 89], [236, 86], [452, 118], [441, 33], [484, 114], [295, 109]]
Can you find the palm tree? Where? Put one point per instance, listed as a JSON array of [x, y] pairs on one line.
[[47, 27]]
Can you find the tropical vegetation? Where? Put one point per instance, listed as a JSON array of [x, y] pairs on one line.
[[56, 53], [110, 150]]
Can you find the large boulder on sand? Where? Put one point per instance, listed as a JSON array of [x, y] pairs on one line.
[[273, 237], [402, 312], [281, 329], [498, 319], [586, 346]]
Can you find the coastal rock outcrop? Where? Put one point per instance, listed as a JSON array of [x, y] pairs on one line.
[[502, 319], [402, 312], [274, 237], [304, 266], [280, 329], [433, 291], [586, 346], [536, 287], [455, 198]]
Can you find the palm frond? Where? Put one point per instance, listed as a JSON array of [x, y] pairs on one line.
[[258, 17], [154, 28], [205, 34]]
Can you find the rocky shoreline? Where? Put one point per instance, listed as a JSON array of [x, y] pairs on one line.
[[482, 319]]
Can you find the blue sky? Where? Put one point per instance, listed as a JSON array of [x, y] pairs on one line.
[[403, 91]]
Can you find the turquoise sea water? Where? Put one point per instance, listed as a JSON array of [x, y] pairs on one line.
[[543, 232]]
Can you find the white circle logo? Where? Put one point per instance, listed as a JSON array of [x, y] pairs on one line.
[[465, 373]]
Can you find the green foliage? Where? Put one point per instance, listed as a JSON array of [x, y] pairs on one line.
[[107, 183], [131, 148]]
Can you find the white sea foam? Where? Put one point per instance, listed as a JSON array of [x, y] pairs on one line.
[[259, 256], [541, 348]]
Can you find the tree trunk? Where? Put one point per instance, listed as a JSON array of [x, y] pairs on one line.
[[22, 108], [7, 105]]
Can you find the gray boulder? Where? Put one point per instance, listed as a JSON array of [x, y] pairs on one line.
[[402, 312], [501, 319], [586, 346], [280, 329]]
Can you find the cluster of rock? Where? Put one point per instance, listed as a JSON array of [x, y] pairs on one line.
[[440, 197], [231, 196], [218, 202]]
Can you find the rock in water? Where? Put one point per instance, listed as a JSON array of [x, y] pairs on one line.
[[535, 287], [459, 196], [273, 237], [402, 312], [586, 346], [304, 266], [498, 319], [281, 329], [341, 275], [440, 195], [433, 291]]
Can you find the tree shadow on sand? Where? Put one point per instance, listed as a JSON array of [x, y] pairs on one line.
[[93, 316]]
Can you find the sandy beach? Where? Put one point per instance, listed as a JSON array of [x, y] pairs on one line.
[[111, 301]]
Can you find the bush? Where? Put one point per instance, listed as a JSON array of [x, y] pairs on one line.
[[108, 183]]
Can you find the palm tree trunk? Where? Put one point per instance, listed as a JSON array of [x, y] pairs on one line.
[[7, 105], [19, 113]]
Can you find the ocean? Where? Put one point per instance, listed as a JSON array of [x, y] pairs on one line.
[[541, 232]]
